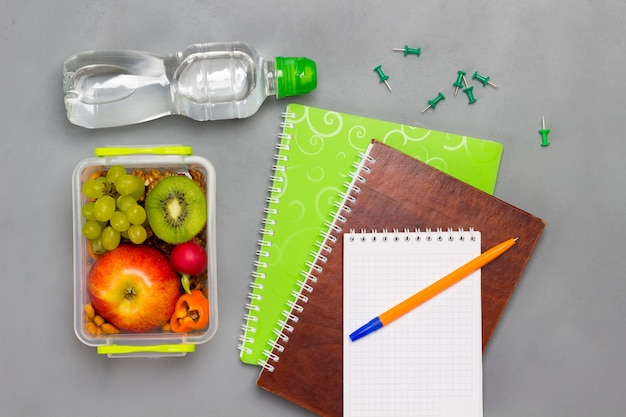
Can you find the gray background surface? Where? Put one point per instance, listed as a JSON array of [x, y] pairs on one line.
[[559, 348]]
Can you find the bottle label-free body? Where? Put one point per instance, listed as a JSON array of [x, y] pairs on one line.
[[218, 84], [114, 88], [215, 77], [204, 82]]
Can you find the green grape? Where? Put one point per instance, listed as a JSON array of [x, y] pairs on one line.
[[96, 246], [141, 187], [126, 184], [119, 221], [106, 185], [91, 229], [137, 233], [125, 201], [93, 189], [115, 172], [87, 211], [136, 214], [104, 208], [110, 238]]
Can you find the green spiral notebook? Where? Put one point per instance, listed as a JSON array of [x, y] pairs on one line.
[[313, 162]]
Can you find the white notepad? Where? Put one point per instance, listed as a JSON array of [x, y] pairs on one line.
[[429, 361]]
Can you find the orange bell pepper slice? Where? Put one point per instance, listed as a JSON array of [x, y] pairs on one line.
[[190, 313]]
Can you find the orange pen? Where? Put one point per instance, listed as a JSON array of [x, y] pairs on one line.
[[432, 290]]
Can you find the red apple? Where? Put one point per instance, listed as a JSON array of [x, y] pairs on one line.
[[134, 288]]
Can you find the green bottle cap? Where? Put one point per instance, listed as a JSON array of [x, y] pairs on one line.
[[294, 76]]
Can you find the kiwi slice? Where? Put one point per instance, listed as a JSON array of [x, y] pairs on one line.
[[176, 209]]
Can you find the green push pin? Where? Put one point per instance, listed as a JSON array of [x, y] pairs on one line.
[[382, 76], [484, 80], [409, 51], [433, 103], [544, 132], [459, 82], [470, 94]]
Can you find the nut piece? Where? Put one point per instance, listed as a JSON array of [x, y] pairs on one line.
[[108, 328], [92, 328], [90, 312], [98, 321], [198, 178]]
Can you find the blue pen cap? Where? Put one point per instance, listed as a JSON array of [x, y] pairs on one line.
[[366, 329]]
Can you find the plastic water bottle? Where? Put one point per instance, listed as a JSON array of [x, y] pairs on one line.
[[213, 81]]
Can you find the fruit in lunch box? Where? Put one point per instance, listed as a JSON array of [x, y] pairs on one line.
[[123, 202], [96, 188], [87, 211], [136, 214], [115, 172], [96, 246], [119, 221], [113, 209], [137, 233], [110, 238], [191, 312], [91, 229], [126, 184], [176, 209], [104, 208], [134, 288]]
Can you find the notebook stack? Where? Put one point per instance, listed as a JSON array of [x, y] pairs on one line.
[[331, 178]]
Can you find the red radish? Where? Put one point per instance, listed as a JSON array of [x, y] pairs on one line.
[[188, 258]]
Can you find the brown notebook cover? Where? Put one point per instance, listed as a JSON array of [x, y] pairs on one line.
[[391, 191]]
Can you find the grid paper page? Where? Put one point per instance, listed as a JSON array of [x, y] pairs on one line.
[[429, 361]]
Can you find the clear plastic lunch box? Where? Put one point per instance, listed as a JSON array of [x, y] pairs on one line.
[[159, 342]]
